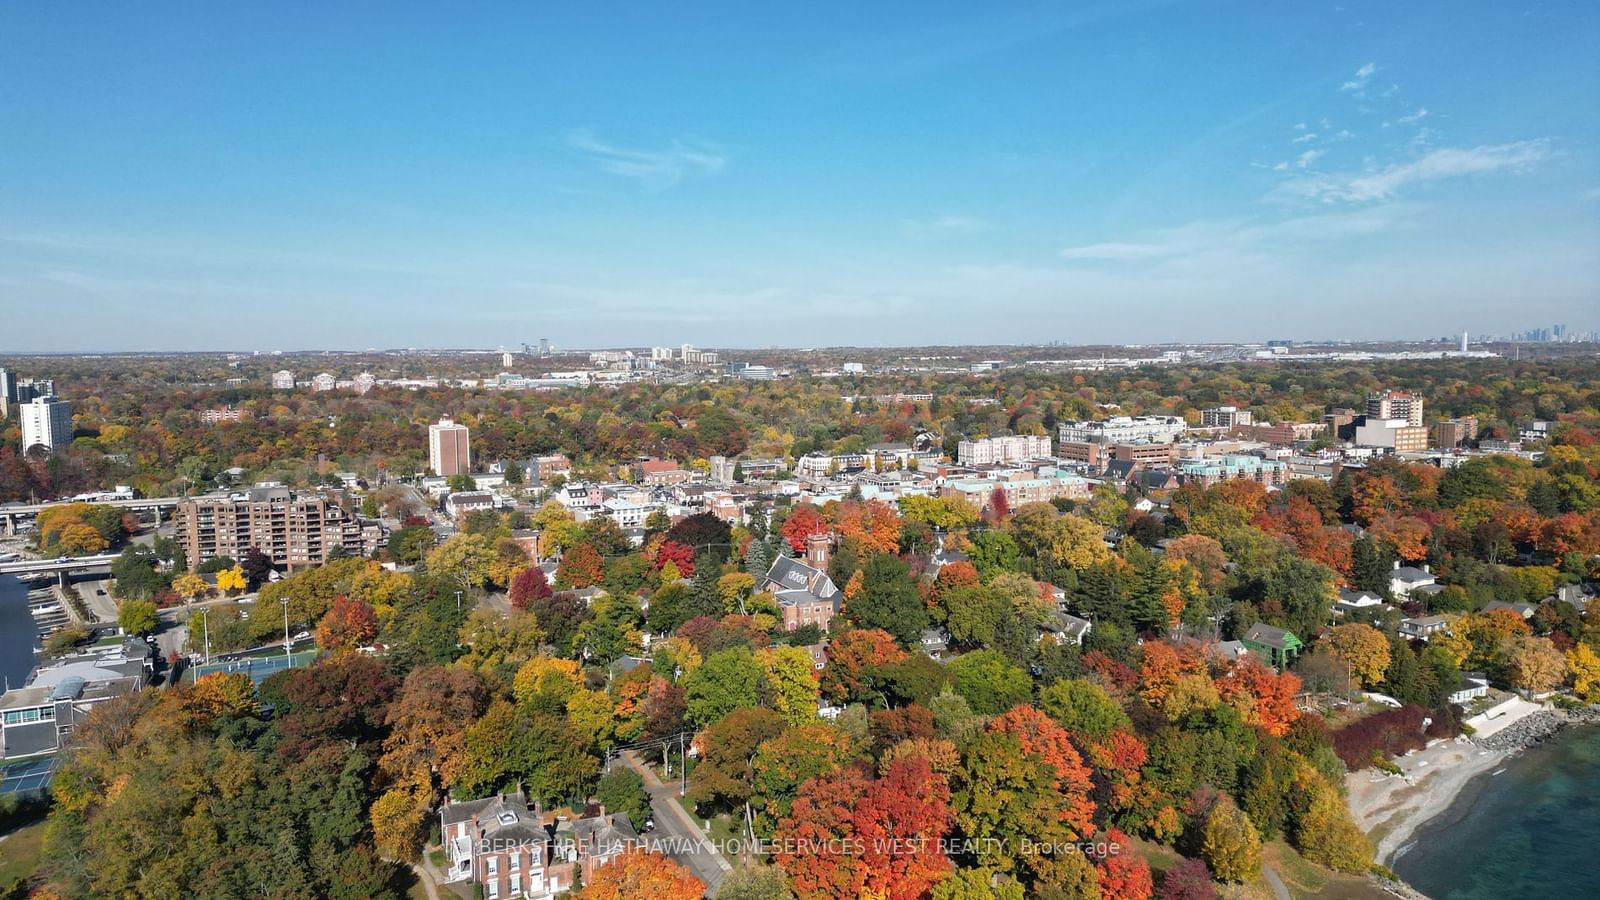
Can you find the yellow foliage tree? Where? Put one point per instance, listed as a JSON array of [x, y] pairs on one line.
[[190, 585], [1364, 648], [1585, 666], [229, 580]]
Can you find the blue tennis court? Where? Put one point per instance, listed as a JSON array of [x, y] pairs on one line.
[[29, 775], [259, 668]]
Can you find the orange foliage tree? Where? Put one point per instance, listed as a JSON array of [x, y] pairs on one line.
[[639, 874], [803, 522], [851, 835], [1264, 697], [872, 522]]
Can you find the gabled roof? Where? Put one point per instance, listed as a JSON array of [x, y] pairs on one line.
[[788, 574], [1268, 636], [1410, 573]]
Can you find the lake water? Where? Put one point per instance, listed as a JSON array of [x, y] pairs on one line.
[[18, 634], [1526, 832]]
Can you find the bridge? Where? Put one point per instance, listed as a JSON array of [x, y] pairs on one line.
[[9, 514], [59, 567]]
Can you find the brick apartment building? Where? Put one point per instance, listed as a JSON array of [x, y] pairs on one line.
[[296, 531]]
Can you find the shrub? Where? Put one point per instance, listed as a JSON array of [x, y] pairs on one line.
[[1391, 732]]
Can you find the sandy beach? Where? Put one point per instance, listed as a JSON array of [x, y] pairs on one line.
[[1390, 807]]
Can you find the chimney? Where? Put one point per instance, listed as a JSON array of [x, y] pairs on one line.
[[818, 546], [1397, 564]]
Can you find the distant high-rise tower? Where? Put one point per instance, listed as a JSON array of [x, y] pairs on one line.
[[449, 450], [505, 359], [1395, 405], [544, 346], [1463, 342], [47, 422]]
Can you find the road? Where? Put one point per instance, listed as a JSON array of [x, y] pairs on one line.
[[677, 830]]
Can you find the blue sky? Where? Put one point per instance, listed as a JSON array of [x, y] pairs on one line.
[[192, 176]]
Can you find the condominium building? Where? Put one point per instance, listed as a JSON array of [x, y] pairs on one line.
[[365, 382], [296, 531], [1124, 429], [1226, 417], [1216, 469], [449, 449], [1454, 432], [1015, 448], [46, 422], [1395, 405], [283, 380], [324, 382]]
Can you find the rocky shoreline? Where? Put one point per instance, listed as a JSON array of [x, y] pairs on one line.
[[1537, 728]]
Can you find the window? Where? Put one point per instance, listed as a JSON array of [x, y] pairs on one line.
[[516, 883], [493, 864], [492, 888], [516, 860]]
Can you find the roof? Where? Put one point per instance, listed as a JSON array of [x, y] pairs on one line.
[[1410, 573], [605, 835], [791, 575], [491, 813], [1268, 636]]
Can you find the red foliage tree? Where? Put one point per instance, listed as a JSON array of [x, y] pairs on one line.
[[348, 623], [680, 555], [529, 586], [999, 506], [803, 521], [1123, 875], [850, 835]]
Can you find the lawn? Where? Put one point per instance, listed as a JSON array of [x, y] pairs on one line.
[[19, 856], [725, 829]]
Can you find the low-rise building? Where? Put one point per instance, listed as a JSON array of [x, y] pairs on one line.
[[1275, 646], [1008, 449], [1235, 466], [805, 593], [1226, 417], [40, 716]]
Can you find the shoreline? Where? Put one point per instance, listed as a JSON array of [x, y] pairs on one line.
[[1443, 780]]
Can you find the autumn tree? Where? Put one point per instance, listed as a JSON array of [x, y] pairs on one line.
[[858, 664], [853, 835], [639, 874], [137, 616], [528, 587], [1229, 843], [889, 601], [802, 522], [349, 623], [1364, 648], [581, 567]]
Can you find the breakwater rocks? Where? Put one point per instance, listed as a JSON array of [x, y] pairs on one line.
[[1538, 728]]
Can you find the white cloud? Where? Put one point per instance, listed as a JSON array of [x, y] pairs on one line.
[[945, 224], [1360, 79], [655, 169], [1281, 167], [1118, 251], [1305, 138], [1299, 126], [1384, 183], [1418, 116], [1307, 158]]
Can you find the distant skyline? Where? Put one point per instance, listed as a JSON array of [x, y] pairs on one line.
[[183, 176]]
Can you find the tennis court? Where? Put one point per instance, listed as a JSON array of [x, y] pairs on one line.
[[29, 775], [259, 668]]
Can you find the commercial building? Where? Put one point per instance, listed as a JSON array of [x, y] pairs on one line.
[[46, 422], [1395, 405], [1394, 434], [1124, 429], [1285, 434], [39, 717], [296, 531], [1015, 448], [449, 449], [1226, 417]]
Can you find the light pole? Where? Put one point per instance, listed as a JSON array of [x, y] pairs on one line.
[[286, 654], [205, 623], [458, 601]]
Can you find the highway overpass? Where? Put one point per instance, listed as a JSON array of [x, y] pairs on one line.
[[10, 514]]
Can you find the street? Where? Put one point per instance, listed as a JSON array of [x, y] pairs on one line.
[[677, 829]]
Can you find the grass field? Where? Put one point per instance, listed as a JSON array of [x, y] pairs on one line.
[[20, 852]]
